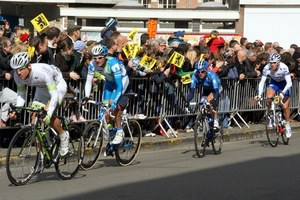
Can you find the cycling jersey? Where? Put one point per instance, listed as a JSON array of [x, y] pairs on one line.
[[116, 80], [210, 84], [280, 78], [49, 84]]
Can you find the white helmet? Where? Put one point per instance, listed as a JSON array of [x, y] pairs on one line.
[[19, 60], [99, 50]]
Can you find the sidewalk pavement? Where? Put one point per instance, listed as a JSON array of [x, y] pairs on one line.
[[160, 142]]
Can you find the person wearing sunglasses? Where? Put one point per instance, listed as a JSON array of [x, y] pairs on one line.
[[211, 86], [50, 91], [281, 82], [116, 83]]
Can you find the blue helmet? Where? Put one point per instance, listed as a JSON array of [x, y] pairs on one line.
[[202, 65]]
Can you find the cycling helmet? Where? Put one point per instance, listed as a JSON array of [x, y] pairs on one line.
[[19, 60], [274, 57], [202, 65], [99, 50]]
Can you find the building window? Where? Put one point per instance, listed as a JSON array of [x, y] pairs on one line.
[[167, 4], [146, 3], [218, 25]]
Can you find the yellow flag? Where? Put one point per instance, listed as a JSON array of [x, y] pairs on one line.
[[207, 40], [186, 79], [202, 56], [176, 59], [40, 22], [132, 34], [147, 62], [134, 47], [127, 50]]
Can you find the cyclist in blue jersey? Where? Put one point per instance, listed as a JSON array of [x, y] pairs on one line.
[[280, 82], [116, 83], [212, 89]]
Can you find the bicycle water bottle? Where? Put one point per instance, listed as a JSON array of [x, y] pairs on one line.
[[279, 116], [210, 123]]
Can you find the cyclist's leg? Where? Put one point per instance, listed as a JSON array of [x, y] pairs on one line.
[[287, 113], [271, 92], [213, 110]]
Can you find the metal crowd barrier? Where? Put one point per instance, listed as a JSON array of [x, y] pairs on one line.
[[166, 101]]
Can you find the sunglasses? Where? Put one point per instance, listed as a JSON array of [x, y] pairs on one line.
[[20, 69], [273, 63], [99, 58], [202, 72]]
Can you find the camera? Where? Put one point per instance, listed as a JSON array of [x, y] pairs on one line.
[[2, 22]]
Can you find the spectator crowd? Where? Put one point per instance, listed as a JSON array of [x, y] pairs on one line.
[[234, 59]]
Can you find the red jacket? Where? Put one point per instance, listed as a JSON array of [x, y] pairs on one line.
[[213, 44]]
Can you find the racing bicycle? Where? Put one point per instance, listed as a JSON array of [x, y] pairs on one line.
[[274, 122], [36, 147], [93, 134], [203, 131]]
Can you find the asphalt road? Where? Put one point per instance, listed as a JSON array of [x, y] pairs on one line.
[[248, 169]]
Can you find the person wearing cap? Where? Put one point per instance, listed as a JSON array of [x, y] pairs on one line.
[[174, 41], [258, 43], [74, 32], [211, 92], [110, 27]]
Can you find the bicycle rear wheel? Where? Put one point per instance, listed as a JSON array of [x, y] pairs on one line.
[[217, 141], [285, 140], [272, 134], [91, 147], [200, 140], [68, 166], [127, 151], [22, 157]]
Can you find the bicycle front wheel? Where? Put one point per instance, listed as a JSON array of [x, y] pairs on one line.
[[271, 131], [22, 157], [217, 141], [68, 166], [92, 145], [200, 140], [285, 140], [127, 151]]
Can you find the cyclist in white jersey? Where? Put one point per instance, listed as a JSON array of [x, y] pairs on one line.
[[280, 82], [49, 84]]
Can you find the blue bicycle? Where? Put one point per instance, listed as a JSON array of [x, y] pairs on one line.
[[204, 134]]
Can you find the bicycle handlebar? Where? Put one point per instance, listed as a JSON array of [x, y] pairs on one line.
[[275, 99], [97, 103]]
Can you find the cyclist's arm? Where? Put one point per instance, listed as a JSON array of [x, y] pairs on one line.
[[289, 83], [21, 95], [261, 85], [216, 84], [89, 80], [193, 85], [21, 91], [119, 85], [54, 98]]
